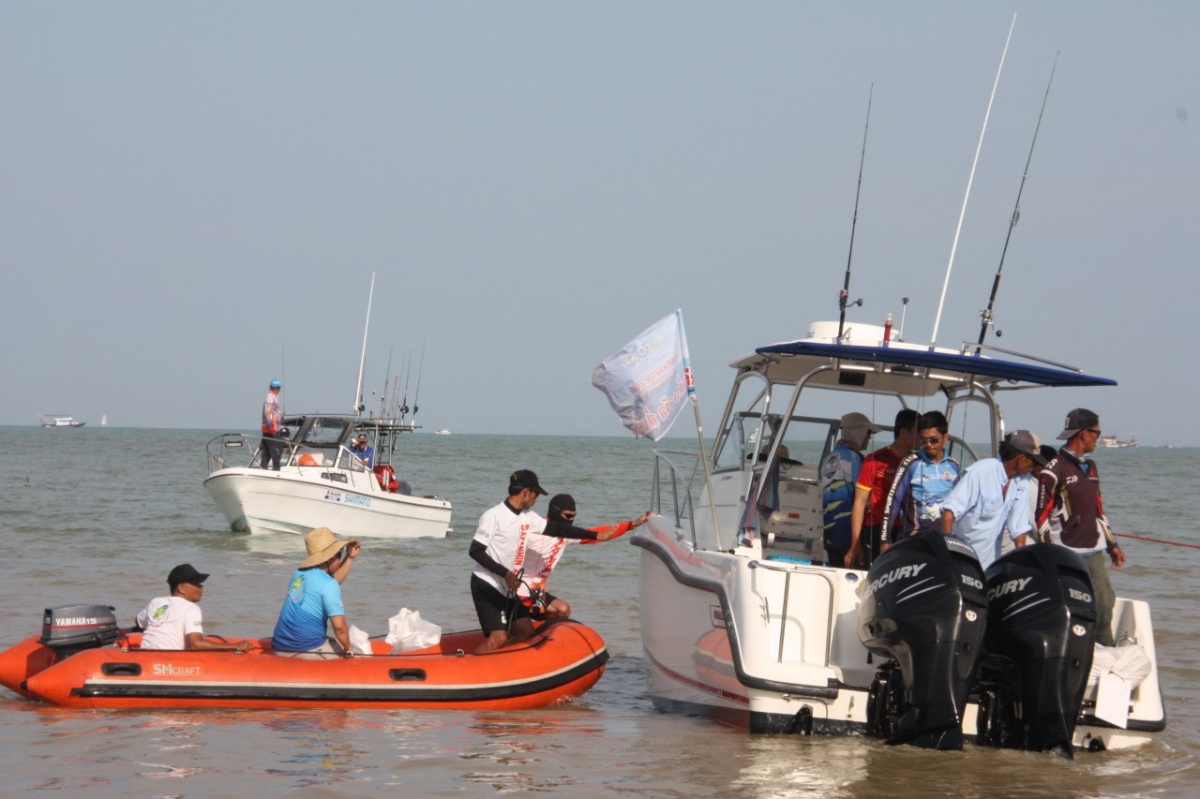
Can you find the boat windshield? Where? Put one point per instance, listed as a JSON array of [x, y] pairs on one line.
[[324, 432]]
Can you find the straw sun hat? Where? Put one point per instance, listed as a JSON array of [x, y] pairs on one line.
[[322, 545]]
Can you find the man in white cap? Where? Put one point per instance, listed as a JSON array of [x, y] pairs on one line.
[[1070, 512], [839, 470], [174, 622], [314, 598], [272, 423], [991, 496]]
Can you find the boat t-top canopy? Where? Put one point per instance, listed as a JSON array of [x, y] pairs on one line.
[[901, 368]]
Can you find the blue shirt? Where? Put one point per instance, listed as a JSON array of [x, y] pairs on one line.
[[982, 510], [839, 470], [917, 494], [312, 598]]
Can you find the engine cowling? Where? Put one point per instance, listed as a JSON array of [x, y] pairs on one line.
[[924, 608], [1041, 636]]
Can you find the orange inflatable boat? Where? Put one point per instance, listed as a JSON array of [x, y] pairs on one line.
[[88, 662]]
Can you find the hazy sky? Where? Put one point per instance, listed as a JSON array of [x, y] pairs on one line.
[[194, 197]]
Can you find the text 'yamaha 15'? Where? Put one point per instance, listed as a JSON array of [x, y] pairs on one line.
[[924, 608]]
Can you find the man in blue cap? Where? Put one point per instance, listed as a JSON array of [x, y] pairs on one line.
[[272, 422]]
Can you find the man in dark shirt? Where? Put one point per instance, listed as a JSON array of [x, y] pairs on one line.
[[1070, 512]]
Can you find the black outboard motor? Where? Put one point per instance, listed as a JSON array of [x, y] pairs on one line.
[[1041, 635], [923, 607], [68, 629]]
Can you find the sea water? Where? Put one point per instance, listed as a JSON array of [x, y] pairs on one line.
[[100, 515]]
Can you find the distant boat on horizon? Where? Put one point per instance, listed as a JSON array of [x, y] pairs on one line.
[[104, 420], [441, 431], [58, 420], [1112, 442]]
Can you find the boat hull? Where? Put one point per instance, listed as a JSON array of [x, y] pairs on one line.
[[297, 499], [773, 646], [561, 662]]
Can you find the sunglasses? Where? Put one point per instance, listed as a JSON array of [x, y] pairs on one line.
[[929, 440]]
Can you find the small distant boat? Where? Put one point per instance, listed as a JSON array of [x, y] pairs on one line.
[[54, 420], [442, 432], [1112, 442], [104, 420]]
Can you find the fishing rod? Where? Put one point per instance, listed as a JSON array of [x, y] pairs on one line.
[[358, 403], [986, 314], [967, 195], [420, 371], [844, 297]]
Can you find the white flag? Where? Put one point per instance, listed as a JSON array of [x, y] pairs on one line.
[[647, 382]]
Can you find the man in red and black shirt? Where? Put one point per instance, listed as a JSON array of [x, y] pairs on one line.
[[871, 490], [1070, 512]]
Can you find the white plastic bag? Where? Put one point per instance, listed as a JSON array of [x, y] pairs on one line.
[[360, 642], [408, 631], [1130, 663]]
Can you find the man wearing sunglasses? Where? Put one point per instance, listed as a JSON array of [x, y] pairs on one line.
[[923, 481], [1070, 512]]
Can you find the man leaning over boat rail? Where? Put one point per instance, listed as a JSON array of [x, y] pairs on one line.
[[497, 549], [314, 599]]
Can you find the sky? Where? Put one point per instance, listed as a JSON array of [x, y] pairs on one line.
[[194, 198]]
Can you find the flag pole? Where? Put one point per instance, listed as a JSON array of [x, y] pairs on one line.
[[691, 390]]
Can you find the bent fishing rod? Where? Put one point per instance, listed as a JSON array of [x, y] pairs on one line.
[[844, 297], [986, 317]]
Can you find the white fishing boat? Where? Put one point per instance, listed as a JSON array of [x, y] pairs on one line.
[[1112, 442], [442, 431], [743, 618], [56, 420], [321, 481]]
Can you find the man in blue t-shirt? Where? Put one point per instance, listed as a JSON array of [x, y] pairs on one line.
[[922, 483], [839, 470], [314, 598]]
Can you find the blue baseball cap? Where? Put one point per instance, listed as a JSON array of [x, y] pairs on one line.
[[276, 384]]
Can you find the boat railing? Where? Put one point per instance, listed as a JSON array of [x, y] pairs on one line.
[[677, 478], [230, 450]]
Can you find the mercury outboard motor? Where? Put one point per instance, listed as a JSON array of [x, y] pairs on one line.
[[1041, 634], [924, 608]]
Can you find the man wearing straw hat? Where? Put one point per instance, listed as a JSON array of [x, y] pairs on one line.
[[314, 598]]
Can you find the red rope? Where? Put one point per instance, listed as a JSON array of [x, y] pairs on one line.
[[1157, 540]]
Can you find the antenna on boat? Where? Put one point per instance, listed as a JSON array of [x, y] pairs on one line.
[[975, 162], [387, 378], [986, 314], [358, 403], [844, 297]]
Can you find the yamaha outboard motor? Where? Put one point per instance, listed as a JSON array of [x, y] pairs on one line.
[[1041, 634], [68, 629], [924, 608]]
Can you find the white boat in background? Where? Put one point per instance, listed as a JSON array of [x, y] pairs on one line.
[[55, 420], [321, 483], [743, 619], [104, 420], [1112, 442], [442, 431]]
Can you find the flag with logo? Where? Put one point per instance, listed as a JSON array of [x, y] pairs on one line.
[[648, 380]]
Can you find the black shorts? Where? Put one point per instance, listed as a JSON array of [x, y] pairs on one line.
[[493, 608]]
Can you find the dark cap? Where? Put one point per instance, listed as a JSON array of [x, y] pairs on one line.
[[1049, 452], [1077, 420], [1026, 443], [184, 573], [524, 478], [560, 504]]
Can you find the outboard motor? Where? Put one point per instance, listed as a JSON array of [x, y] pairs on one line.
[[924, 608], [68, 629], [1041, 635]]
